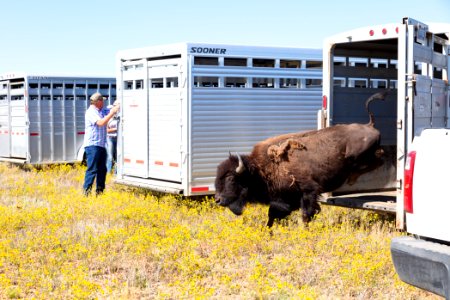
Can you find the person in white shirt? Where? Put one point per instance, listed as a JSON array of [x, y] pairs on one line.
[[112, 141], [96, 120]]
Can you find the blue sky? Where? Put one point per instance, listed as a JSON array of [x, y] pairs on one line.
[[82, 37]]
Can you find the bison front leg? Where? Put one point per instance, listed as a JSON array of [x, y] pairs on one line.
[[278, 210], [310, 207]]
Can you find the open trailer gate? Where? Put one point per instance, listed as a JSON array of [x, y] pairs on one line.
[[410, 60]]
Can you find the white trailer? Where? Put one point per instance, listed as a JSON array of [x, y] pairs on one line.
[[186, 106], [412, 60], [42, 117]]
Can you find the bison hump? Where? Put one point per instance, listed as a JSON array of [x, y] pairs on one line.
[[280, 152]]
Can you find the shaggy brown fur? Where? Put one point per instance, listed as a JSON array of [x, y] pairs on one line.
[[290, 171]]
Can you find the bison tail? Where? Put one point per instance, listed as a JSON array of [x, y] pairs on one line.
[[377, 96]]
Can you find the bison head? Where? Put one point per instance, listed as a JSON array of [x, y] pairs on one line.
[[232, 184]]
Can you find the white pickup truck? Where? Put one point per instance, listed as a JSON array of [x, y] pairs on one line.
[[422, 259]]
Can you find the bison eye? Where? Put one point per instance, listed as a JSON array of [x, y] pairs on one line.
[[230, 180]]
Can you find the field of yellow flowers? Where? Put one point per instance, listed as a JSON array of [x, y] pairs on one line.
[[132, 244]]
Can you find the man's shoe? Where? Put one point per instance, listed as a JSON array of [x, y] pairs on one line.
[[86, 192]]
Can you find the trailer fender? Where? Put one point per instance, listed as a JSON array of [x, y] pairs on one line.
[[81, 156]]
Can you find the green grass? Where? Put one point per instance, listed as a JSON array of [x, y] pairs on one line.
[[132, 244]]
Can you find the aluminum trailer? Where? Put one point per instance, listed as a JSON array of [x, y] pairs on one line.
[[42, 116], [186, 106], [409, 58]]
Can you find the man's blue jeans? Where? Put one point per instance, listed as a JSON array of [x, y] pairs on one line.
[[96, 167], [112, 153]]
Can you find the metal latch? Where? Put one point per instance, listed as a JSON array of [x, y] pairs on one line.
[[413, 81]]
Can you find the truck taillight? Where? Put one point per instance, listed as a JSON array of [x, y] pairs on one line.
[[408, 187], [324, 102]]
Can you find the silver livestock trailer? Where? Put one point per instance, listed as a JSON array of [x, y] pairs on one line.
[[411, 61], [186, 106], [42, 117]]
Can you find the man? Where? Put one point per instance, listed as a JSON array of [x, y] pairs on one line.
[[96, 120]]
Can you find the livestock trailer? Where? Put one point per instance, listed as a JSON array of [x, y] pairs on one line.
[[186, 106], [411, 61], [42, 117]]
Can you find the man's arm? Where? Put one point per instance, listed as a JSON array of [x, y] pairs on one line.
[[104, 121]]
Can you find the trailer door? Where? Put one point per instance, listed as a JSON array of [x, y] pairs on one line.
[[135, 118], [19, 122], [427, 75], [422, 91], [164, 120], [5, 128]]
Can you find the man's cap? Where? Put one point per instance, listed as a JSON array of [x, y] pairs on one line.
[[97, 96]]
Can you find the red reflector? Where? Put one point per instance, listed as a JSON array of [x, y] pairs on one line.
[[324, 102], [200, 189], [127, 160], [173, 165], [396, 29], [159, 163], [34, 134], [384, 31], [80, 132], [139, 161], [371, 32], [408, 187]]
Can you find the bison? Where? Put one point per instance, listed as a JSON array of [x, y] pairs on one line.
[[290, 171]]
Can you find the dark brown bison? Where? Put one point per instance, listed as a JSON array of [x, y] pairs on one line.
[[290, 171]]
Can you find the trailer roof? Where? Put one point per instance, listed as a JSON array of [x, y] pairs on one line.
[[440, 28], [379, 32], [208, 49], [13, 75]]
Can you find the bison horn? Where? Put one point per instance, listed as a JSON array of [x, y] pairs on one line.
[[240, 168]]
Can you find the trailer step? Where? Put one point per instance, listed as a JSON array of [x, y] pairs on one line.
[[14, 160], [376, 202]]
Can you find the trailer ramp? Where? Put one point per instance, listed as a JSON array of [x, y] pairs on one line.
[[379, 202]]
